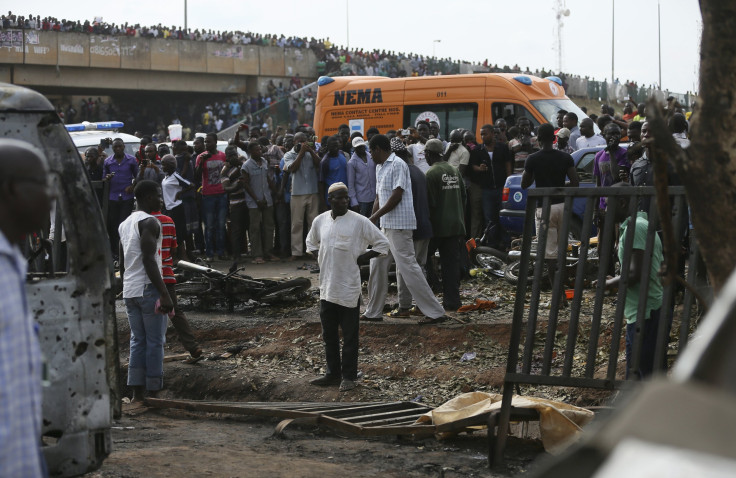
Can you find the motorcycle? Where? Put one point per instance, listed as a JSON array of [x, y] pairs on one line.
[[209, 284], [511, 272]]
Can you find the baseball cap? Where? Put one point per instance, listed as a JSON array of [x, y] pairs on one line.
[[434, 146], [358, 141], [563, 133]]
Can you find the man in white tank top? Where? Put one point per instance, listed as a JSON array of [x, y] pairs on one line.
[[143, 287]]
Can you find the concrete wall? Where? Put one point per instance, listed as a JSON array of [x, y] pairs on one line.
[[141, 60]]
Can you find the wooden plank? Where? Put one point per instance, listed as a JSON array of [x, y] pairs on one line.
[[379, 407], [406, 419]]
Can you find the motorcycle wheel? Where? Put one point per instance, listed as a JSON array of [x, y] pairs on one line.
[[491, 259], [511, 273], [293, 289]]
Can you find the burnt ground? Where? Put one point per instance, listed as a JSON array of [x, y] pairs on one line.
[[280, 352]]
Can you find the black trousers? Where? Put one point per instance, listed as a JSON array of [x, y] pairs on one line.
[[334, 317], [449, 248], [117, 212]]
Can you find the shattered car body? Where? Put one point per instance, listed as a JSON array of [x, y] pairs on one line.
[[68, 289]]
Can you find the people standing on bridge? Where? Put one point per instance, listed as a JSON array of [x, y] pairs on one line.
[[146, 298], [340, 238], [361, 179], [258, 186], [302, 164], [120, 171], [549, 168], [214, 200], [25, 204], [394, 209]]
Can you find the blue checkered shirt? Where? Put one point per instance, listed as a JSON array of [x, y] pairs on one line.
[[20, 371], [392, 174]]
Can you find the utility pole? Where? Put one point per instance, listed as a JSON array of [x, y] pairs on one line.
[[185, 15]]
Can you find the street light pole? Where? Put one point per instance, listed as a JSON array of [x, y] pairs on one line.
[[659, 38], [347, 21], [185, 15]]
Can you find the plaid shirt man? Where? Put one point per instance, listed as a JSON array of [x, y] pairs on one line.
[[20, 372], [392, 174]]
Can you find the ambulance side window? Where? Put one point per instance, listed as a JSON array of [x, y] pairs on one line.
[[512, 112], [450, 116]]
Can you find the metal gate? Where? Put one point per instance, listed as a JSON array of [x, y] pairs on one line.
[[551, 355]]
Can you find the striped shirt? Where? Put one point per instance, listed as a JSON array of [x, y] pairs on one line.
[[392, 174], [167, 243], [20, 371]]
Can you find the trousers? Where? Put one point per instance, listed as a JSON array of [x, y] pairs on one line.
[[401, 245], [333, 318]]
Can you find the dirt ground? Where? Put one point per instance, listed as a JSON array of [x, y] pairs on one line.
[[280, 351]]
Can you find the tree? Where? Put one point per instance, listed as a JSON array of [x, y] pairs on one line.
[[708, 167]]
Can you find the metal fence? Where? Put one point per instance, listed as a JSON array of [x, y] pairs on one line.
[[586, 354]]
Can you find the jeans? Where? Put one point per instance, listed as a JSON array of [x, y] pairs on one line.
[[147, 339], [334, 317], [366, 208], [215, 216], [492, 205]]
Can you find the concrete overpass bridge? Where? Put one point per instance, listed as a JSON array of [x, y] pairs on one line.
[[65, 63]]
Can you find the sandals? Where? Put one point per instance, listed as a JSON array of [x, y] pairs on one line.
[[429, 321], [258, 260], [399, 313]]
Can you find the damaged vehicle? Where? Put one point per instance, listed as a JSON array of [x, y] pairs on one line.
[[68, 286]]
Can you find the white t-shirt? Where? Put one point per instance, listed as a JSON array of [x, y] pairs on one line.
[[417, 152], [458, 157], [171, 185], [595, 140]]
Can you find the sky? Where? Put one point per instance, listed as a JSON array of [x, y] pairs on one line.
[[506, 33]]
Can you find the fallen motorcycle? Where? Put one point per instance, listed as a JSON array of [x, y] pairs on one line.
[[489, 260], [511, 272], [210, 285]]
